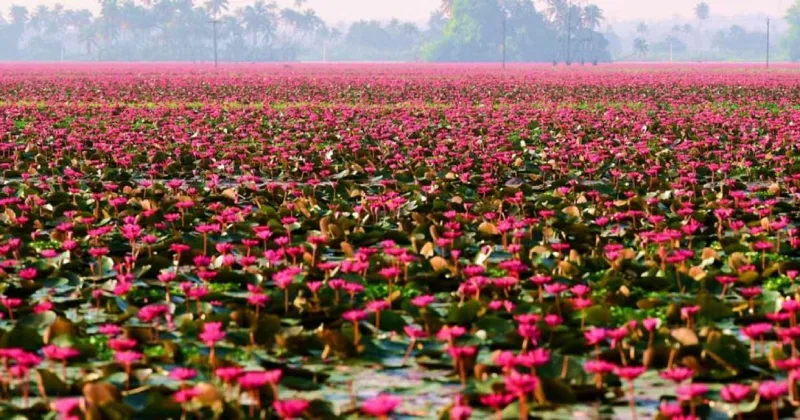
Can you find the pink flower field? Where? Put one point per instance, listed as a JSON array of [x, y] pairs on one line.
[[342, 241]]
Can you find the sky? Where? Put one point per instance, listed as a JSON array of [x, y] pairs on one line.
[[338, 11]]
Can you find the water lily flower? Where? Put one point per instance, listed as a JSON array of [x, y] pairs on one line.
[[381, 406]]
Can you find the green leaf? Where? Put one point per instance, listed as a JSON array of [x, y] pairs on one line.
[[38, 321], [26, 338], [464, 314], [598, 315], [494, 325], [390, 321], [556, 391], [53, 385], [116, 411], [712, 308], [732, 351], [297, 383], [511, 411], [265, 330]]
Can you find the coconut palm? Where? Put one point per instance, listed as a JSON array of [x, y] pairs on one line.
[[592, 17], [260, 22], [89, 35], [301, 24], [216, 7], [702, 11], [446, 7], [640, 47], [19, 14], [110, 16], [557, 11]]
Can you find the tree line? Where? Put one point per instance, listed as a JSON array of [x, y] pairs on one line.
[[187, 30]]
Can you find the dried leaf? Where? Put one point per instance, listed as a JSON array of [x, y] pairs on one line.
[[709, 253], [737, 259], [335, 231], [697, 273], [685, 336], [434, 233], [439, 263], [209, 396], [99, 393], [572, 211], [487, 228], [302, 207], [427, 250], [324, 226], [347, 249], [567, 269], [61, 326]]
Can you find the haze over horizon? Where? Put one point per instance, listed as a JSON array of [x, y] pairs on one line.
[[339, 11]]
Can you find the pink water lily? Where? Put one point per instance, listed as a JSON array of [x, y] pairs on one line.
[[228, 227], [381, 406]]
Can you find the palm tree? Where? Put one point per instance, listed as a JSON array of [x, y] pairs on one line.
[[557, 10], [216, 7], [640, 47], [49, 30], [19, 15], [232, 33], [311, 22], [702, 11], [252, 19], [567, 19], [76, 20], [446, 7], [88, 35], [641, 28], [259, 20], [592, 17], [110, 15], [184, 28]]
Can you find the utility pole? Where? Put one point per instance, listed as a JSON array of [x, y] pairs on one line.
[[670, 49], [214, 24], [569, 31], [767, 43], [504, 39]]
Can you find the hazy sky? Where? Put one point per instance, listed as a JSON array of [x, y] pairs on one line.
[[335, 11]]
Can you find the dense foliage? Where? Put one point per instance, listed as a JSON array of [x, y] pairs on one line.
[[186, 30], [429, 241], [792, 41]]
